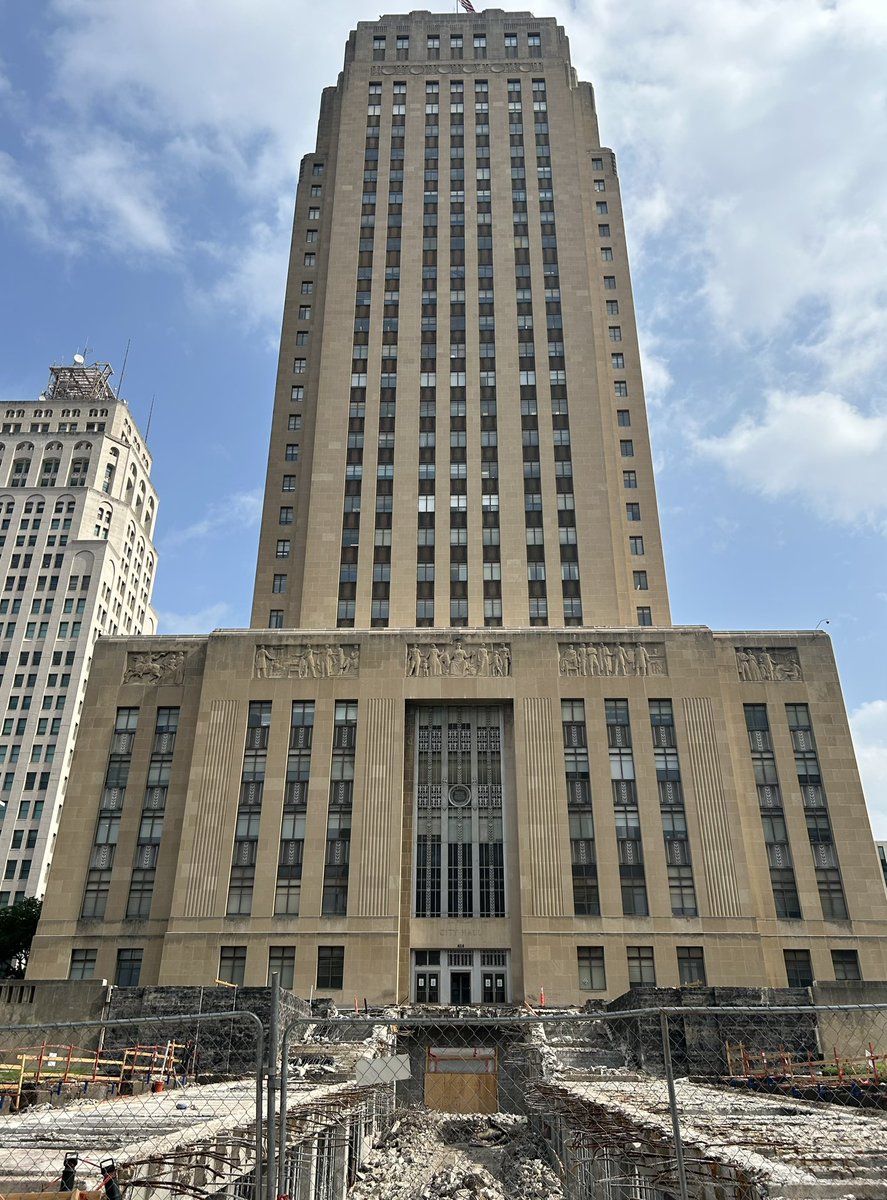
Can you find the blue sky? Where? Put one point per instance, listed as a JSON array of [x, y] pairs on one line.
[[148, 157]]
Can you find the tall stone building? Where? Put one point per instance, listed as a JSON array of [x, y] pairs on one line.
[[77, 514], [462, 755]]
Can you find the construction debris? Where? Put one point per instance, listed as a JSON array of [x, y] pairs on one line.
[[437, 1156]]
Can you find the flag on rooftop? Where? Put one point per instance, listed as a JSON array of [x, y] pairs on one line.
[[467, 5]]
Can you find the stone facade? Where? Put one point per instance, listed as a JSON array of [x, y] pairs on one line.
[[737, 928]]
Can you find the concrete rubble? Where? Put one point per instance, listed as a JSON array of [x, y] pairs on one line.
[[438, 1156]]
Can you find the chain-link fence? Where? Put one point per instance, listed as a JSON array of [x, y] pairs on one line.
[[679, 1103], [150, 1106]]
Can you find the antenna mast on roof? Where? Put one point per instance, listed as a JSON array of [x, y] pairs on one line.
[[123, 368]]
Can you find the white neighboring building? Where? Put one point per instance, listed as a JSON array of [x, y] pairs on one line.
[[77, 517]]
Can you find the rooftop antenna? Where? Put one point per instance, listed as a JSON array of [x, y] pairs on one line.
[[79, 360], [123, 368], [823, 621], [150, 415]]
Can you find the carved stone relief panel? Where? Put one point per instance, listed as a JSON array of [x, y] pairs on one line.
[[758, 664], [430, 659], [154, 666], [306, 661], [612, 659]]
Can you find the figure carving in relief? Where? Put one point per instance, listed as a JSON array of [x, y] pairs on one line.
[[266, 664], [302, 662], [610, 661], [776, 666], [164, 666], [569, 661], [459, 662]]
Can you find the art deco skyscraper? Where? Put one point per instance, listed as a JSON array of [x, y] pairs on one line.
[[459, 432], [462, 754], [77, 513]]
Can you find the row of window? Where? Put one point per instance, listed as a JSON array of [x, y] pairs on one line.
[[457, 44], [232, 965], [691, 966], [330, 967]]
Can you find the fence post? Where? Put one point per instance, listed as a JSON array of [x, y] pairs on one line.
[[273, 1049], [673, 1106], [260, 1103], [281, 1138]]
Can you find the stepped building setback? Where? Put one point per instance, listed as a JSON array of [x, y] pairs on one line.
[[77, 514], [462, 755]]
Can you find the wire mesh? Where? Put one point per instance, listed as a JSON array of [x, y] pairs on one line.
[[681, 1103], [153, 1105]]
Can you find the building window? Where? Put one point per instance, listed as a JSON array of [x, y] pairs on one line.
[[282, 962], [83, 964], [299, 365], [845, 963], [636, 545], [626, 448], [232, 965], [629, 479], [645, 616], [606, 253], [691, 965], [641, 966], [305, 312], [617, 361], [592, 977], [798, 968], [286, 516], [129, 967], [620, 387], [275, 618], [640, 581], [623, 417], [610, 282], [279, 583], [330, 967], [283, 548]]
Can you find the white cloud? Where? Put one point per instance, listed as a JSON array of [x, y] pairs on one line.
[[868, 724], [22, 201], [252, 281], [105, 184], [818, 448], [241, 510], [750, 137], [214, 616]]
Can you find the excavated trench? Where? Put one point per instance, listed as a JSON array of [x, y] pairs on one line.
[[441, 1156]]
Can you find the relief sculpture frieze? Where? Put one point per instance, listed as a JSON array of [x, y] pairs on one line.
[[154, 666], [757, 664], [486, 659], [306, 661], [612, 659]]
